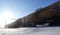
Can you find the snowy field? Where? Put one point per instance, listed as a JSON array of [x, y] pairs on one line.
[[31, 31]]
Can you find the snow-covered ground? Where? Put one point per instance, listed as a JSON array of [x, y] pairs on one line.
[[31, 31]]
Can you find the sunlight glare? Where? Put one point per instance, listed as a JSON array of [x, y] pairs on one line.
[[6, 18]]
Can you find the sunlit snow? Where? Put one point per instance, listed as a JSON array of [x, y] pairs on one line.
[[31, 31]]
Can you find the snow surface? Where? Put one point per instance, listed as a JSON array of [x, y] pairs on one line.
[[31, 31]]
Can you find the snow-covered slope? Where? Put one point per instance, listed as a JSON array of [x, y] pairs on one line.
[[32, 31]]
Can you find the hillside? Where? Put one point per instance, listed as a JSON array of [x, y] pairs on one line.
[[49, 14]]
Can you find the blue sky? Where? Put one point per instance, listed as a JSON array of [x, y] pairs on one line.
[[22, 8], [14, 9]]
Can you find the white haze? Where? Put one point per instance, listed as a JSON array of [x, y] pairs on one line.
[[31, 31]]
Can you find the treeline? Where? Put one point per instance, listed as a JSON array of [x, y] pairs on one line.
[[41, 16]]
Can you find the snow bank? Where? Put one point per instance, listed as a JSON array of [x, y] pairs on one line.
[[32, 31]]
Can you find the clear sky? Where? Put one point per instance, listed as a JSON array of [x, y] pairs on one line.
[[20, 8]]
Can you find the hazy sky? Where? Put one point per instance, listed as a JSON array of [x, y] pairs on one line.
[[23, 7], [20, 8]]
